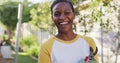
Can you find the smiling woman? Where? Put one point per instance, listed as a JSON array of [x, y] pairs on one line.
[[63, 18], [66, 46]]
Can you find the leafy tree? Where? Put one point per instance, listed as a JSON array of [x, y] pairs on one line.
[[9, 15], [27, 6], [95, 8], [41, 18], [9, 11]]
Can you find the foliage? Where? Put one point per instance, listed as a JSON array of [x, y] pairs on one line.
[[27, 6], [26, 12], [41, 18], [9, 11], [96, 11], [8, 17], [6, 41], [33, 50], [29, 41], [30, 45]]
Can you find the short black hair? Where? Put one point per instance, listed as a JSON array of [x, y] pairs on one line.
[[58, 1]]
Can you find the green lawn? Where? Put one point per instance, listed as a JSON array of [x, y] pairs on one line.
[[24, 58]]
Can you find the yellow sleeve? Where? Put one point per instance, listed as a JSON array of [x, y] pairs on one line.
[[92, 44], [45, 51]]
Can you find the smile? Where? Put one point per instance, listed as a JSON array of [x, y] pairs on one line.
[[63, 23]]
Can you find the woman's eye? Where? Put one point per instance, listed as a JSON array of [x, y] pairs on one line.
[[67, 13], [57, 14]]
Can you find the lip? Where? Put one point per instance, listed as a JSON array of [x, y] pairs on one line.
[[63, 23]]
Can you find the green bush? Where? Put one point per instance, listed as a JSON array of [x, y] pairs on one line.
[[29, 41], [33, 50], [30, 45]]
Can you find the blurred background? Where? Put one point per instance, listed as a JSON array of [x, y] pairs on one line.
[[99, 19]]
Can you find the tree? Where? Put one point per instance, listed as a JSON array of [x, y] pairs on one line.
[[95, 8], [41, 18], [9, 15], [9, 11]]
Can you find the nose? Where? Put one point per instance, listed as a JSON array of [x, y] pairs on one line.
[[62, 17]]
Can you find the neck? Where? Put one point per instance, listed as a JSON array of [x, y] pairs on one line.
[[66, 36]]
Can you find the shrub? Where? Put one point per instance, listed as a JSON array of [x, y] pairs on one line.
[[33, 50], [28, 42]]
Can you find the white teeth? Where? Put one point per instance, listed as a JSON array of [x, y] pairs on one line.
[[64, 23]]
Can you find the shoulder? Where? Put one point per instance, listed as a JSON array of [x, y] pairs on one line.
[[92, 45], [48, 42], [45, 51], [88, 39], [47, 45]]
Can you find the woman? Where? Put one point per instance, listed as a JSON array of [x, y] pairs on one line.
[[66, 46]]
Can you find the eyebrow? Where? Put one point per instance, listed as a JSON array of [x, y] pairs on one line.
[[64, 10]]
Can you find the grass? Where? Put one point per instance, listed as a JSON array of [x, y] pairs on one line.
[[24, 58]]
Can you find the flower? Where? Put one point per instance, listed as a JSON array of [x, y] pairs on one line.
[[5, 42], [86, 58]]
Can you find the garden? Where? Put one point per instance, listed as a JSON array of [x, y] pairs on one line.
[[99, 19]]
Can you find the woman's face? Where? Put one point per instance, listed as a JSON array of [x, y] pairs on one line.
[[63, 16]]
